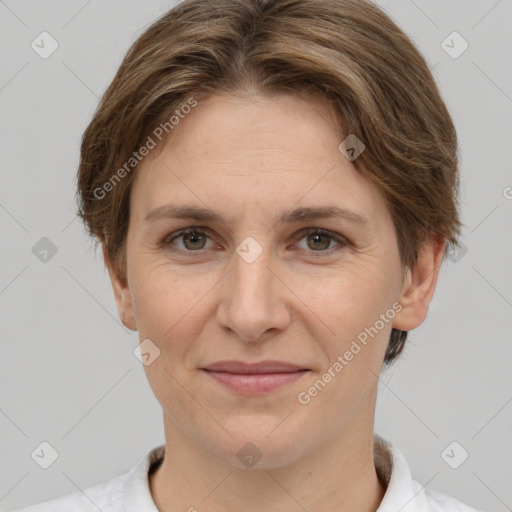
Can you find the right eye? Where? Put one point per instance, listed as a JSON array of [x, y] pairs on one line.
[[193, 240]]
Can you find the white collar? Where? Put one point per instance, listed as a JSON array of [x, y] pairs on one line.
[[402, 493], [135, 493]]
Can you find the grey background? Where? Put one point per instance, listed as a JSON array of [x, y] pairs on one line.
[[68, 373]]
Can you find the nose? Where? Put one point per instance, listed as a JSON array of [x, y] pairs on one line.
[[254, 299]]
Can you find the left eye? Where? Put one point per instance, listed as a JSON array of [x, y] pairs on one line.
[[318, 240], [195, 239]]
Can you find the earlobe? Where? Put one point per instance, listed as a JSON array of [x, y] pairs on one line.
[[419, 286], [122, 295]]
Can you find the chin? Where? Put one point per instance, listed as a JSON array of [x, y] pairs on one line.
[[259, 444]]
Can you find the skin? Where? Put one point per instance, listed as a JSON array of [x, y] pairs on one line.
[[251, 160]]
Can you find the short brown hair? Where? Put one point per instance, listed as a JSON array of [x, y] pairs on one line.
[[348, 52]]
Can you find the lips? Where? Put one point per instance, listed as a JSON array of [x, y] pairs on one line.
[[254, 378], [241, 367]]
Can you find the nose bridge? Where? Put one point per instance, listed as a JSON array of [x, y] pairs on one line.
[[251, 275], [250, 304], [251, 283]]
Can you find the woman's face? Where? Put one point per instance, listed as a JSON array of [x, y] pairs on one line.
[[270, 278]]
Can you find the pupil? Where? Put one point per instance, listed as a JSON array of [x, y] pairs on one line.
[[194, 237], [318, 238]]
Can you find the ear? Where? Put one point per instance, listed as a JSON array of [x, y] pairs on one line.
[[122, 295], [419, 286]]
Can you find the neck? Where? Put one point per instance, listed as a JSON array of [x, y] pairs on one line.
[[339, 476]]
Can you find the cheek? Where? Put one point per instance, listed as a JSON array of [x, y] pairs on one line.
[[355, 344], [169, 306], [350, 308], [347, 297]]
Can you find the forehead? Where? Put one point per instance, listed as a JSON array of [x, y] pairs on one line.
[[256, 133], [264, 152]]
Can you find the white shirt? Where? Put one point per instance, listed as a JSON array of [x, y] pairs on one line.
[[130, 492]]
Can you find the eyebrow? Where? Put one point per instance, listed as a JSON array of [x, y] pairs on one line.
[[297, 215]]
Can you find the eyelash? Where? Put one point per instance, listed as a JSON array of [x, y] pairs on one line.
[[342, 241]]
